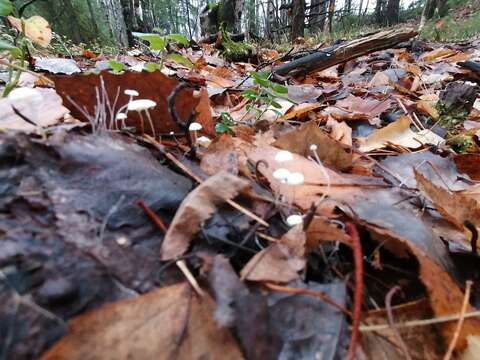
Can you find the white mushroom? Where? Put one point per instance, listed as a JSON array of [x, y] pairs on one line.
[[193, 128], [143, 105], [121, 117], [295, 178], [283, 156], [281, 175], [293, 220], [203, 141]]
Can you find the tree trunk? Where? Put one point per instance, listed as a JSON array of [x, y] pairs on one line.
[[348, 6], [298, 19], [238, 11], [331, 11], [75, 28], [392, 11], [115, 21], [380, 12], [360, 6], [147, 15]]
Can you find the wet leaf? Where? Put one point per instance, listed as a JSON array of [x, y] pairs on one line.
[[36, 28]]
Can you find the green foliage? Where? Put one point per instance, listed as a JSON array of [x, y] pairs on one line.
[[460, 143], [225, 125], [450, 116], [116, 66], [6, 7], [452, 29], [265, 96], [159, 43]]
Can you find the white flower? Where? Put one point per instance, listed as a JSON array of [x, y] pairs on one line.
[[283, 156], [203, 141], [313, 147], [293, 220], [281, 174], [131, 92], [295, 178], [121, 116], [194, 126], [140, 105]]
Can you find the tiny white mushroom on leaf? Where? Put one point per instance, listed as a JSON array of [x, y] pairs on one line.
[[283, 156], [295, 178], [193, 128], [281, 174], [143, 105], [203, 141], [131, 92], [293, 220]]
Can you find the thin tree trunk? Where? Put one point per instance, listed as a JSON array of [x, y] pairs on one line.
[[187, 9], [74, 26], [115, 21], [392, 11], [298, 19], [331, 10]]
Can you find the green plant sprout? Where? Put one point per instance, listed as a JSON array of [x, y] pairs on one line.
[[265, 96], [225, 125], [159, 43]]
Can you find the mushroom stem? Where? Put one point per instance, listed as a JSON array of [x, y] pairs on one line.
[[142, 125], [151, 124]]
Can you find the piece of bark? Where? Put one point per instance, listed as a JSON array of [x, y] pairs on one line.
[[334, 55]]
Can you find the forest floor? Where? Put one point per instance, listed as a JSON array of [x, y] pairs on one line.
[[231, 210]]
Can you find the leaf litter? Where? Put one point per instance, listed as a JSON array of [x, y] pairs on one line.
[[329, 202]]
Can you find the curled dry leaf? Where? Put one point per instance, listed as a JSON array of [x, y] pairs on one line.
[[454, 206], [168, 323], [279, 262], [197, 207], [398, 133]]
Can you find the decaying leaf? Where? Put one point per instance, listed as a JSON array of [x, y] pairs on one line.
[[330, 151], [58, 66], [197, 207], [399, 133], [279, 262], [36, 29], [167, 323], [27, 109]]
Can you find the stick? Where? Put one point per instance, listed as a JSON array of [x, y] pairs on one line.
[[337, 54]]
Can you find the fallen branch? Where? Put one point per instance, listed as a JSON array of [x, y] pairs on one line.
[[325, 58]]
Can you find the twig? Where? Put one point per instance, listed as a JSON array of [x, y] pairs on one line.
[[151, 214], [19, 68], [319, 295], [474, 239], [456, 335], [391, 322], [358, 293], [191, 279]]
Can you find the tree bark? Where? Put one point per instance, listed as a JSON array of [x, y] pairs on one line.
[[331, 11], [74, 26], [298, 19], [392, 11], [380, 12], [115, 21], [318, 14]]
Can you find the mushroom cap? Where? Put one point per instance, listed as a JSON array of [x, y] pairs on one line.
[[203, 141], [121, 116], [194, 126], [141, 104], [281, 174], [293, 220], [313, 147], [295, 178], [283, 156], [131, 92]]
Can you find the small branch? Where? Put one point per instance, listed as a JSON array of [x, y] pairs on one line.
[[456, 335], [391, 322], [151, 214], [358, 293], [19, 68]]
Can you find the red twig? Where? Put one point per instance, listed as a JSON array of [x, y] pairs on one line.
[[358, 293], [320, 295], [151, 214]]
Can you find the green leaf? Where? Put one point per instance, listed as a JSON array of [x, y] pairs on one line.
[[6, 7], [279, 88], [155, 41], [180, 59], [276, 105], [221, 128], [116, 66], [260, 75], [14, 51], [179, 38], [151, 67], [262, 82], [227, 118], [249, 94]]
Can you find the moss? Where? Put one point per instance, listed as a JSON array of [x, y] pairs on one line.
[[450, 116], [234, 51], [461, 143]]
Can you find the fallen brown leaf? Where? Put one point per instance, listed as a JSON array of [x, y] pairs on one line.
[[197, 207], [167, 323]]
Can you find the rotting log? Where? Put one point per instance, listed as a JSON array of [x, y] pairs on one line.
[[327, 57]]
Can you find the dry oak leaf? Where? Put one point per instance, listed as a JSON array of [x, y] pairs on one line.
[[371, 107], [330, 151], [167, 323], [280, 262], [454, 206], [435, 54], [197, 207], [36, 29]]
